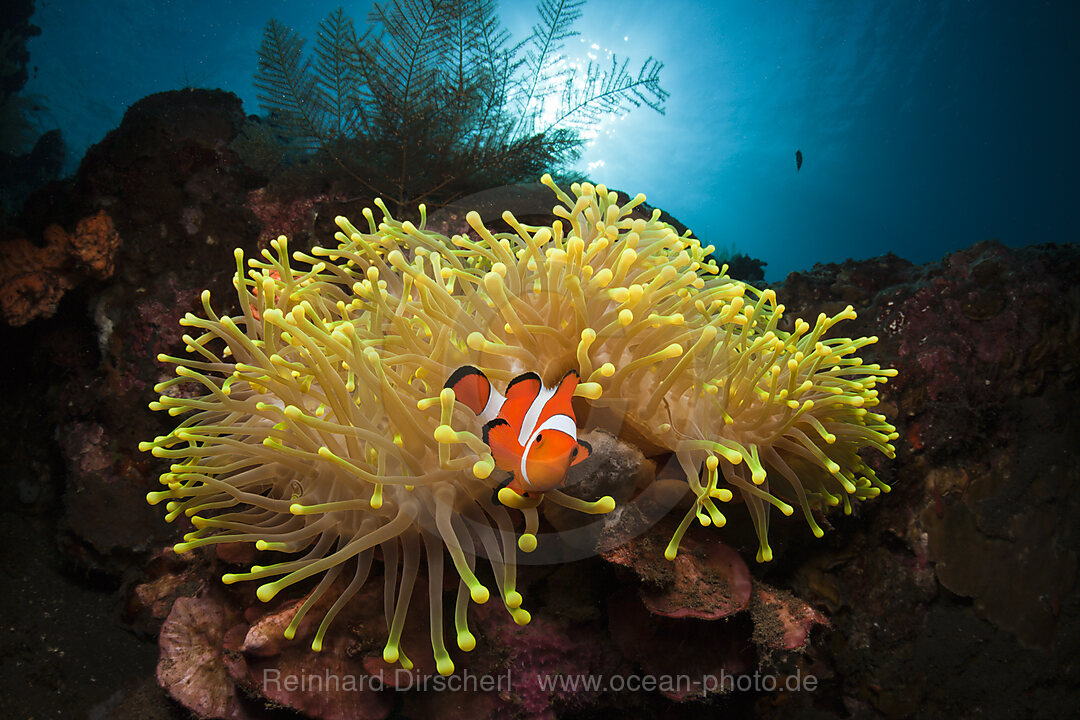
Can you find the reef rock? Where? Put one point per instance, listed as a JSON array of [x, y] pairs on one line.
[[33, 278]]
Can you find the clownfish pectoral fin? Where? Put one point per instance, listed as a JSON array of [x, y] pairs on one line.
[[505, 449], [581, 452]]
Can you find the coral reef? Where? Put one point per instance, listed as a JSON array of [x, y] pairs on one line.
[[306, 431], [952, 596], [33, 279], [893, 582], [86, 351], [968, 573]]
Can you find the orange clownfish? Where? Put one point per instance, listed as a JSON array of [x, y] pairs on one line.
[[531, 431], [255, 291]]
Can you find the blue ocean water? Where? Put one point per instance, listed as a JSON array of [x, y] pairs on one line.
[[923, 126]]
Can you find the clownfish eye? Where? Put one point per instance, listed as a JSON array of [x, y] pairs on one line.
[[540, 437], [573, 453]]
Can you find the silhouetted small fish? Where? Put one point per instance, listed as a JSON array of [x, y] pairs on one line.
[[798, 160]]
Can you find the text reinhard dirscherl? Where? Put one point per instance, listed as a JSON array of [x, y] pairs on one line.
[[466, 681]]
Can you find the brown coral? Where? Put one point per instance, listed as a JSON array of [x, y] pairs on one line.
[[33, 279]]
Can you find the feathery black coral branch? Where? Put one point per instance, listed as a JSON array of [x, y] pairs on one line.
[[338, 75], [287, 88], [432, 101], [556, 18], [608, 92]]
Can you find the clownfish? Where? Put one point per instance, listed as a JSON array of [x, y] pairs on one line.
[[255, 291], [531, 430]]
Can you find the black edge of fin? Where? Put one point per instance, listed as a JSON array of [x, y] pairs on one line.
[[522, 378], [491, 424], [461, 373]]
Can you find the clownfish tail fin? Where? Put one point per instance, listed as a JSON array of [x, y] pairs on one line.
[[471, 386]]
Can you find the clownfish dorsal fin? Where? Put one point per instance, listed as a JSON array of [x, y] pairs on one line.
[[550, 402], [564, 391], [524, 384], [520, 394]]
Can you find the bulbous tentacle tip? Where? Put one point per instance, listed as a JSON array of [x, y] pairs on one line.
[[444, 665], [604, 505], [154, 497], [466, 641], [483, 468], [511, 499], [527, 542], [479, 594], [267, 592]]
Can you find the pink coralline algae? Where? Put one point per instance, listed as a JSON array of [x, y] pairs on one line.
[[545, 648], [711, 582], [781, 620], [703, 616], [292, 217], [192, 667], [223, 656], [978, 330]]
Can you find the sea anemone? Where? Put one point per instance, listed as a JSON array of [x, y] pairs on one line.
[[317, 424]]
